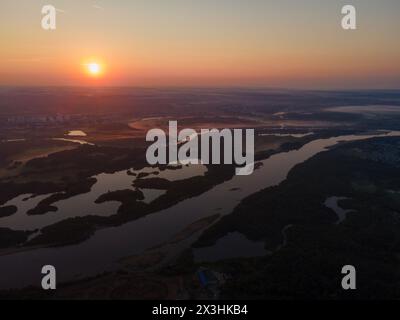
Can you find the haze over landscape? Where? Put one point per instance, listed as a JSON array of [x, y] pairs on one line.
[[78, 193]]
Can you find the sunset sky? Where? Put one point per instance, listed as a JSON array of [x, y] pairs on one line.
[[285, 43]]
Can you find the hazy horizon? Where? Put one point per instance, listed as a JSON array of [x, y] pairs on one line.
[[202, 87]]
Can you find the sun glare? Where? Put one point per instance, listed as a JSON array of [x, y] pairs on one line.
[[94, 69]]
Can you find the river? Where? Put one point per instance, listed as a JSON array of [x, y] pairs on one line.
[[102, 251]]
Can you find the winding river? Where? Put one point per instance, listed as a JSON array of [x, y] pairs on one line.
[[102, 251]]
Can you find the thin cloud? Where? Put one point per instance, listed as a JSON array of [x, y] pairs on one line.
[[29, 59], [24, 60], [96, 6]]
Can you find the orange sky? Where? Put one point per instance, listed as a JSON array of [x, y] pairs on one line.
[[290, 43]]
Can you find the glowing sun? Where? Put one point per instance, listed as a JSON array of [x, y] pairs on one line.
[[94, 69]]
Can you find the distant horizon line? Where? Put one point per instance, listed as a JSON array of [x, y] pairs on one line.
[[194, 87]]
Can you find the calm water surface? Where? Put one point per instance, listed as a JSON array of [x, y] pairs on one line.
[[102, 251]]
